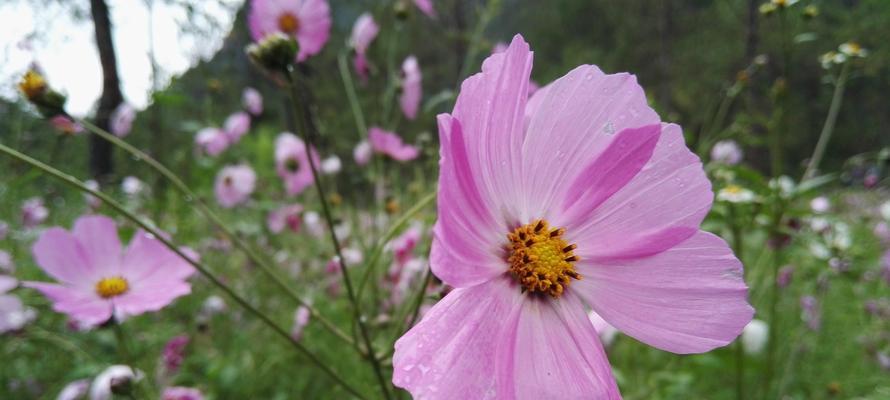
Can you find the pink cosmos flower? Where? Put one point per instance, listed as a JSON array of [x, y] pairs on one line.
[[362, 153], [122, 120], [212, 141], [6, 264], [234, 184], [390, 144], [289, 216], [13, 314], [411, 87], [236, 126], [363, 33], [66, 125], [34, 212], [292, 163], [99, 279], [252, 101], [309, 21], [726, 152], [426, 6], [404, 244], [301, 319], [174, 353], [579, 197], [182, 393]]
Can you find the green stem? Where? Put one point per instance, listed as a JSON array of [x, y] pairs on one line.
[[309, 130], [828, 127], [775, 236], [77, 184], [192, 198], [354, 105]]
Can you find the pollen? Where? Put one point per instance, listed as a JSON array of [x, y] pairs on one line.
[[111, 287], [288, 23], [540, 259], [32, 84]]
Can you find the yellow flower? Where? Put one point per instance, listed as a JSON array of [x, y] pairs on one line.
[[33, 85]]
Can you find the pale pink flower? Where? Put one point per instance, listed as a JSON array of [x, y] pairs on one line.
[[301, 319], [362, 153], [132, 186], [121, 122], [99, 279], [426, 6], [236, 126], [289, 216], [13, 314], [6, 264], [363, 33], [76, 390], [820, 205], [34, 212], [292, 163], [403, 245], [331, 165], [212, 141], [182, 393], [411, 87], [252, 101], [234, 185], [726, 152], [580, 181], [113, 379], [66, 125], [390, 144], [309, 21]]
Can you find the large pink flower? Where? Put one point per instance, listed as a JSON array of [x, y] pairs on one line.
[[390, 144], [99, 279], [363, 33], [234, 185], [309, 21], [292, 163], [411, 87], [579, 197]]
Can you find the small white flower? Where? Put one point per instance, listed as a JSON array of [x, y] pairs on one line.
[[132, 186], [820, 205], [735, 194], [852, 49], [820, 251], [754, 336], [331, 165], [213, 305], [885, 210], [726, 152]]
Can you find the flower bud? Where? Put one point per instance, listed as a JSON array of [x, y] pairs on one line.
[[35, 88], [275, 52]]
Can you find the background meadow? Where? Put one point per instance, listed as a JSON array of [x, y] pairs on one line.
[[754, 84]]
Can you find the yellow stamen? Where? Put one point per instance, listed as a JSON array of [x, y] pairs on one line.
[[288, 23], [540, 259], [111, 287], [32, 84], [733, 189]]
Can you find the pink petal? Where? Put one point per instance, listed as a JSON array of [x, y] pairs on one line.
[[97, 235], [462, 346], [558, 355], [490, 108], [315, 17], [148, 261], [660, 207], [688, 299], [85, 306], [363, 32], [145, 298], [390, 144], [571, 121], [61, 256], [426, 6], [411, 87]]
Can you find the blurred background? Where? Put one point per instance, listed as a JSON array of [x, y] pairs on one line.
[[764, 78]]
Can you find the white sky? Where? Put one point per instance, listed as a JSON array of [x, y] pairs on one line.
[[65, 47]]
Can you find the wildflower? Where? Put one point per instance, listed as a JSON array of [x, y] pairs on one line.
[[882, 231], [236, 126], [288, 216], [292, 163], [6, 264], [307, 21], [783, 279], [426, 6], [755, 336], [121, 122], [390, 144], [313, 223], [735, 194], [362, 153], [99, 279], [726, 152], [65, 125], [234, 184], [92, 201], [331, 165], [115, 380], [827, 60], [884, 210], [252, 101], [275, 53], [853, 50], [174, 353], [820, 205], [404, 244], [181, 393], [76, 390], [605, 330], [213, 305], [13, 314], [577, 196], [363, 33], [33, 212], [411, 88], [132, 186], [212, 141], [301, 319], [33, 84], [35, 88], [811, 314]]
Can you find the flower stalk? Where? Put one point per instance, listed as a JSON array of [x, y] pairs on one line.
[[830, 120]]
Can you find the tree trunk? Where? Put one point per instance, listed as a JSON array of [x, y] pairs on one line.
[[100, 150]]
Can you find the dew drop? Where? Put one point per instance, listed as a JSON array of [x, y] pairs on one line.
[[609, 128]]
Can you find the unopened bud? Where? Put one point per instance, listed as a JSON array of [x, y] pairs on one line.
[[275, 52]]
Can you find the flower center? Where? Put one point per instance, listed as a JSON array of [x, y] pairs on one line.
[[110, 287], [288, 23], [32, 84], [540, 259], [733, 189], [291, 165]]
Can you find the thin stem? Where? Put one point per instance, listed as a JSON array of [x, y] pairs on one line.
[[160, 236], [828, 127], [775, 236], [354, 105], [389, 235], [192, 198], [301, 110]]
